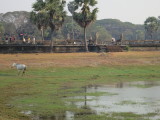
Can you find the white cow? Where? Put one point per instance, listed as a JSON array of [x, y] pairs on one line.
[[20, 67]]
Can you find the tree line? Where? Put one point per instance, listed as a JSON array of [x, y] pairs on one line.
[[51, 14]]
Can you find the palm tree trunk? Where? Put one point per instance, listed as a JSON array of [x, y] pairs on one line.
[[151, 36], [51, 49], [85, 40], [42, 33], [72, 30]]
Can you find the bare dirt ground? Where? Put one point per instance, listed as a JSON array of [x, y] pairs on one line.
[[81, 59]]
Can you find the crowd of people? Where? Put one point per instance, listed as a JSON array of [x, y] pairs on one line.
[[25, 40]]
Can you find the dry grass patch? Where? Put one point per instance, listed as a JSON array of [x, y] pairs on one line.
[[81, 59]]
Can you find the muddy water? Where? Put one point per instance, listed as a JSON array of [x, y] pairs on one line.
[[136, 97]]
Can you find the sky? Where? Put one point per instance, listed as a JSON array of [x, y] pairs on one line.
[[134, 11]]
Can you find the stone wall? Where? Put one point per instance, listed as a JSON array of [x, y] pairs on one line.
[[39, 48]]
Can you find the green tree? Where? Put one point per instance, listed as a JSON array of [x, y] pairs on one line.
[[9, 28], [40, 19], [151, 26], [68, 27], [85, 16], [29, 30], [1, 30], [71, 8], [54, 10], [99, 34], [140, 34]]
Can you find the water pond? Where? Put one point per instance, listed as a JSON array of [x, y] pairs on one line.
[[137, 97]]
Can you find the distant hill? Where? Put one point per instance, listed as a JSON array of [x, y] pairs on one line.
[[116, 28], [18, 18]]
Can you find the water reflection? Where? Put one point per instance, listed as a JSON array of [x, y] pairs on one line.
[[62, 116], [135, 97]]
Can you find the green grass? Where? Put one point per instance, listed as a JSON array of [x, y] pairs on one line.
[[115, 116], [43, 90], [127, 103]]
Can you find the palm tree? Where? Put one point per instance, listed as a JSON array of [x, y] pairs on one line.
[[85, 16], [71, 8], [51, 13], [55, 10], [41, 20]]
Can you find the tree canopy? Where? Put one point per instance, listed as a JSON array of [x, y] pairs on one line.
[[49, 13], [151, 26]]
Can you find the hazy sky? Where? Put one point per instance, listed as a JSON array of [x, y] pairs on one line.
[[135, 11]]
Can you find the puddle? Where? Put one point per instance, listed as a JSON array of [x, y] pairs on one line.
[[27, 112], [135, 97]]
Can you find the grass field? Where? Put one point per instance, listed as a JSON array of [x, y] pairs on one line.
[[51, 78]]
